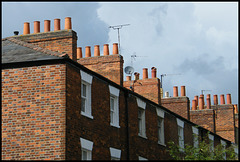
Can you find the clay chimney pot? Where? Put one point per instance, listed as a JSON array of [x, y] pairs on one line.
[[88, 51], [229, 100], [201, 103], [183, 92], [26, 28], [46, 25], [96, 50], [154, 72], [215, 99], [128, 78], [196, 98], [194, 106], [57, 24], [208, 103], [36, 26], [145, 73], [222, 99], [68, 23], [79, 52], [105, 50], [115, 48], [175, 91]]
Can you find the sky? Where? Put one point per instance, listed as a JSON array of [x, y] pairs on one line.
[[194, 43]]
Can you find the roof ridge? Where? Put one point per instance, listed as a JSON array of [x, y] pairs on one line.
[[35, 47]]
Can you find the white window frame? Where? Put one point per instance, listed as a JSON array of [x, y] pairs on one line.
[[114, 113], [180, 124], [195, 137], [161, 134], [86, 146], [115, 153], [141, 108], [224, 144], [87, 80], [211, 142]]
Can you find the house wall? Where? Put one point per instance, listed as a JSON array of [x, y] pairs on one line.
[[33, 113]]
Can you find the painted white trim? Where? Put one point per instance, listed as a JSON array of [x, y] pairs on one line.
[[141, 103], [195, 130], [114, 91], [86, 77], [141, 158], [160, 112], [180, 123], [115, 152], [211, 137], [86, 144]]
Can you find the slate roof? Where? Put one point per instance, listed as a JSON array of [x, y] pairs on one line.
[[14, 50]]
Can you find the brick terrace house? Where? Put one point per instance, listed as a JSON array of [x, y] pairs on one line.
[[57, 105]]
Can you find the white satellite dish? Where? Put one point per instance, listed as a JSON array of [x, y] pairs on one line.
[[129, 70]]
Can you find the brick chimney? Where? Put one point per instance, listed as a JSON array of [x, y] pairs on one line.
[[222, 99], [61, 41], [175, 91], [26, 28], [229, 100]]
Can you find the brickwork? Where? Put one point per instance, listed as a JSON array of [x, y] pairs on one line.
[[110, 66], [62, 41], [178, 105], [33, 113], [149, 88]]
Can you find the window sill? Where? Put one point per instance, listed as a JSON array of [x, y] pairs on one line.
[[142, 136], [117, 126], [87, 115], [161, 144]]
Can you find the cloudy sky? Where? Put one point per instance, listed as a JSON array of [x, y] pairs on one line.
[[195, 44]]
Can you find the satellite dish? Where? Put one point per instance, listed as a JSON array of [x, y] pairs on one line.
[[129, 70]]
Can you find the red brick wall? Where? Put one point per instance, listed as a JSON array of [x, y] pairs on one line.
[[178, 105], [62, 41], [149, 88], [110, 66], [33, 113]]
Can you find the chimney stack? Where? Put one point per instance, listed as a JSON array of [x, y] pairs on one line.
[[215, 99], [46, 25], [229, 100], [115, 48], [183, 92], [201, 102], [128, 78], [154, 72], [79, 52], [136, 76], [68, 23], [36, 26], [105, 50], [194, 105], [145, 73], [175, 91], [26, 28], [222, 99], [96, 50], [57, 24], [88, 51]]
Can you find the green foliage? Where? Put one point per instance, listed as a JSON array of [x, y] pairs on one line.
[[202, 152]]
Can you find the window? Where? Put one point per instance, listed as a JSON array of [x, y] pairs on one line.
[[161, 138], [114, 106], [86, 149], [180, 134], [86, 83], [223, 143], [195, 136], [141, 118], [115, 154]]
